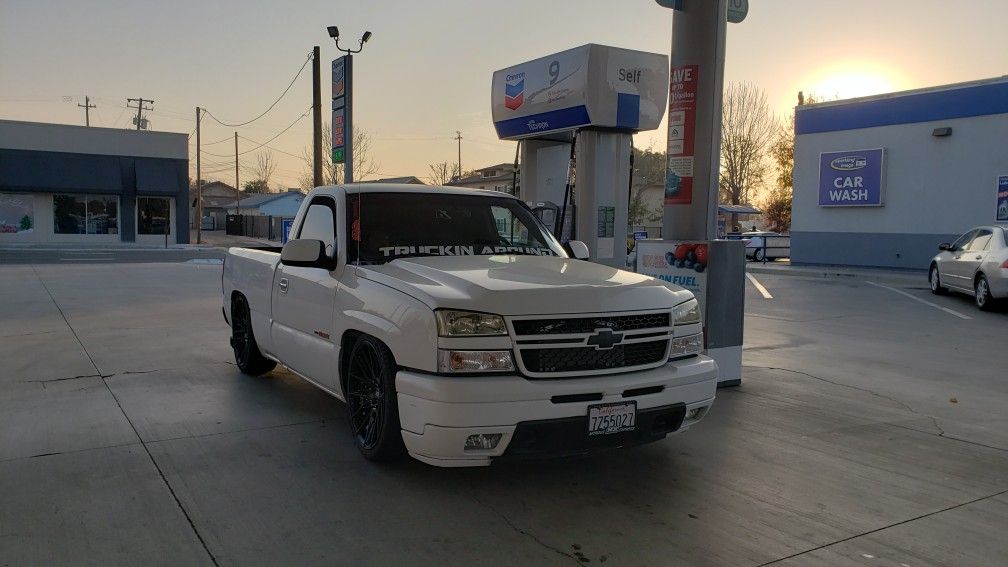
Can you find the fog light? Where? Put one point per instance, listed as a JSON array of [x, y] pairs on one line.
[[482, 441], [696, 413]]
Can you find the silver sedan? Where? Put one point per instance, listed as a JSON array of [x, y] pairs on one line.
[[975, 264]]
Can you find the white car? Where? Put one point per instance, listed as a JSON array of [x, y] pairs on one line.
[[976, 264], [462, 345], [763, 246]]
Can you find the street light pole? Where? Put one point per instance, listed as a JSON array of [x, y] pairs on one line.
[[348, 101]]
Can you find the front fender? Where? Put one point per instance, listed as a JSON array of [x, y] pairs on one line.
[[405, 324]]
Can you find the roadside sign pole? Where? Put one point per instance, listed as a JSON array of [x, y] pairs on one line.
[[348, 136]]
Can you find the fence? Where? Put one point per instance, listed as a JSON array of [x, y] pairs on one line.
[[254, 226]]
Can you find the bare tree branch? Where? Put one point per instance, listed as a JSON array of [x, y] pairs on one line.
[[364, 165], [265, 166], [442, 172], [747, 129]]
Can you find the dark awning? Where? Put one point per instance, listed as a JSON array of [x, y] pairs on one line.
[[157, 176], [52, 171], [739, 210]]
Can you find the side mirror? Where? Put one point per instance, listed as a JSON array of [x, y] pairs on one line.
[[945, 246], [578, 249], [305, 253]]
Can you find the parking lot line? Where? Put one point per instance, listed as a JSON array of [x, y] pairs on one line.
[[759, 287], [924, 301]]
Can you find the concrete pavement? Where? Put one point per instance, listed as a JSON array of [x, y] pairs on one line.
[[127, 436]]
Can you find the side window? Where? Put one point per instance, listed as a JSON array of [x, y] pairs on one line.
[[980, 241], [319, 224], [963, 240], [511, 229]]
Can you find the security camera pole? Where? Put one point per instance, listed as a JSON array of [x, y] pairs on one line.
[[342, 105]]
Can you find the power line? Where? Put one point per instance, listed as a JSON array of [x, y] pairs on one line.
[[284, 93], [270, 147]]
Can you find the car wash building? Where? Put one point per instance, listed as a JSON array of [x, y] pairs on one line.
[[80, 185], [880, 181]]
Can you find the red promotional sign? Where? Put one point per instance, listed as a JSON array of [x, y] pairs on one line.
[[681, 129]]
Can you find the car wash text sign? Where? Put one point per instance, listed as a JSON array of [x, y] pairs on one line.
[[851, 178]]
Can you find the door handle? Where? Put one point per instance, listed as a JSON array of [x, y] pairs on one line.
[[283, 285], [979, 257]]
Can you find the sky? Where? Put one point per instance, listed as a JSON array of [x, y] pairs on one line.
[[426, 71]]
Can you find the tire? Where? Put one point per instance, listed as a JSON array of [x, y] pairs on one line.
[[759, 255], [982, 294], [372, 405], [934, 278], [248, 357]]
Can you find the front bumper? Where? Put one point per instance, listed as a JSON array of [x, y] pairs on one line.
[[544, 417]]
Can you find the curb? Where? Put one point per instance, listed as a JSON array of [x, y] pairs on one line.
[[841, 274]]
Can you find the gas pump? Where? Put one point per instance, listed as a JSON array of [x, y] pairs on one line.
[[574, 113]]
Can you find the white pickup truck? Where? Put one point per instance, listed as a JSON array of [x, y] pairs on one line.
[[457, 329]]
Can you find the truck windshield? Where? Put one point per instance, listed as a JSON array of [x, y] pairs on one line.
[[384, 226]]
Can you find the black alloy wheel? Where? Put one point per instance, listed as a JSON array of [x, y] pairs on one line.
[[247, 355], [371, 399]]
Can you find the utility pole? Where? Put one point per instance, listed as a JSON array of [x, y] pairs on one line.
[[316, 117], [87, 106], [140, 108], [237, 187], [458, 136], [199, 184]]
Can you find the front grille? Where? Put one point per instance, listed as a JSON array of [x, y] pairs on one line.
[[550, 360], [590, 324]]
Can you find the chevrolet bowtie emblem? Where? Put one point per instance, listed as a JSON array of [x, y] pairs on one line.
[[605, 339]]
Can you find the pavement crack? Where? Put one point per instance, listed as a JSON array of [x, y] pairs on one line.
[[886, 527], [525, 532], [904, 405], [126, 416]]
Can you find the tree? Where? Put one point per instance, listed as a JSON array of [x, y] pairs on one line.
[[265, 166], [441, 172], [332, 173], [777, 205], [648, 169], [747, 129], [256, 186], [640, 213]]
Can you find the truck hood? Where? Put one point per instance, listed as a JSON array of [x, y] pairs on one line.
[[523, 285]]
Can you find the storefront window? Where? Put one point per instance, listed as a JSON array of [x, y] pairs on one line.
[[153, 215], [17, 214], [85, 214]]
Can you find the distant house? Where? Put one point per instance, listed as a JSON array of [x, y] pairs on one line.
[[269, 204], [216, 194], [498, 177], [407, 179]]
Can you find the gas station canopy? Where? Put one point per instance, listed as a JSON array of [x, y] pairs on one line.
[[587, 86]]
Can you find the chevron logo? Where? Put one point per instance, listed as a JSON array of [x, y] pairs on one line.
[[514, 91]]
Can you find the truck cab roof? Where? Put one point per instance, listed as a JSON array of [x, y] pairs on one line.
[[354, 188]]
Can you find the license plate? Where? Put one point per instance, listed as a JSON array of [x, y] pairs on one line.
[[606, 419]]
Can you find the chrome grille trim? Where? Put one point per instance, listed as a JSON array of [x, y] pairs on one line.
[[633, 333]]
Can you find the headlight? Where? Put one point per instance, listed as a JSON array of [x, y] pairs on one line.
[[453, 323], [687, 313], [475, 361]]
